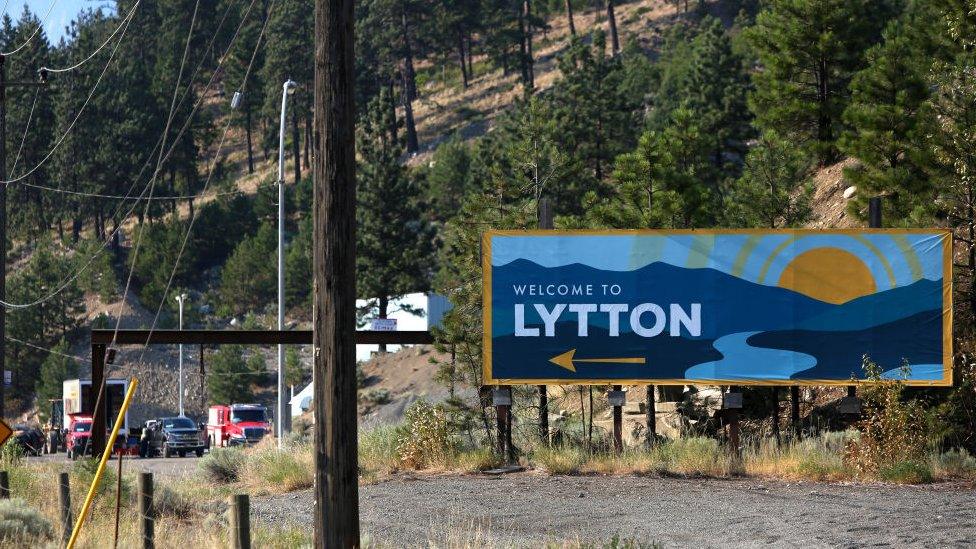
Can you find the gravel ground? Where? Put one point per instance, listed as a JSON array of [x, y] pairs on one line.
[[528, 510], [160, 467]]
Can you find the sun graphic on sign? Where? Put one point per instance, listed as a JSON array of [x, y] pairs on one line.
[[828, 274]]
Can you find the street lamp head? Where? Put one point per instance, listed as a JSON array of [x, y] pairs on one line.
[[290, 86]]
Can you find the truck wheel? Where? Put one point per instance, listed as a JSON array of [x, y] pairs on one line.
[[182, 453], [199, 452]]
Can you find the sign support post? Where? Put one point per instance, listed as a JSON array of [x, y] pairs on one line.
[[617, 401], [795, 411], [545, 222]]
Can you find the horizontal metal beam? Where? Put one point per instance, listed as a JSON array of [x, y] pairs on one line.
[[247, 337]]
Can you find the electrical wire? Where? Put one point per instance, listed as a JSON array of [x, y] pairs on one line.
[[40, 26], [47, 350], [142, 196], [159, 163], [81, 111], [213, 164], [99, 48]]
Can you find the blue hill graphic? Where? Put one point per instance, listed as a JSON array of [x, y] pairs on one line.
[[916, 339], [880, 308]]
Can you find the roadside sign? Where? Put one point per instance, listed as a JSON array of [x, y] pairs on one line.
[[724, 307], [383, 325], [5, 432]]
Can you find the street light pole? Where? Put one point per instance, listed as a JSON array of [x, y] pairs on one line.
[[283, 414], [181, 298]]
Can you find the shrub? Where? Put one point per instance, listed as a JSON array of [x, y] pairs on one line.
[[423, 441], [378, 449], [20, 524], [696, 456], [819, 458], [11, 455], [376, 396], [281, 470], [956, 463], [559, 460], [905, 472], [892, 431], [223, 465], [170, 503]]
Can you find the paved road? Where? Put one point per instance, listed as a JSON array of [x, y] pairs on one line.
[[171, 467], [527, 510]]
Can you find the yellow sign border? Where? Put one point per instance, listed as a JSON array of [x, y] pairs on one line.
[[487, 379]]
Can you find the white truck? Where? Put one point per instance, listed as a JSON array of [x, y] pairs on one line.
[[78, 398]]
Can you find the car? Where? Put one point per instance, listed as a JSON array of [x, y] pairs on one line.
[[79, 435], [171, 435]]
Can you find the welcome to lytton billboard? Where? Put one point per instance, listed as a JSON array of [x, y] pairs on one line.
[[767, 307]]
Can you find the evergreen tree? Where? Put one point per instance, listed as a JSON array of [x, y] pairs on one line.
[[774, 189], [288, 55], [448, 177], [248, 281], [56, 368], [809, 51], [230, 378], [240, 57], [889, 134], [394, 245]]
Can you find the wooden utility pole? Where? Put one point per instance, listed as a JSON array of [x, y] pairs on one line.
[[336, 516]]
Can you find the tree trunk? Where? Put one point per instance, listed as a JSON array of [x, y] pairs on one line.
[[470, 51], [612, 20], [569, 17], [528, 41], [308, 142], [412, 144], [409, 73], [296, 145], [247, 129], [464, 70], [336, 485], [523, 55]]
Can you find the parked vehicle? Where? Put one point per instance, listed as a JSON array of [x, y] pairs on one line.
[[237, 424], [171, 435], [78, 398], [30, 439], [54, 432], [78, 438]]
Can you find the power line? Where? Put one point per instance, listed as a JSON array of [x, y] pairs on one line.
[[47, 350], [189, 230], [23, 139], [81, 111], [40, 26], [142, 196], [99, 48]]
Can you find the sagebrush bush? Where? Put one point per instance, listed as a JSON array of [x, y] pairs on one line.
[[170, 503], [285, 469], [222, 465], [893, 429], [559, 459], [21, 525], [423, 439], [957, 463]]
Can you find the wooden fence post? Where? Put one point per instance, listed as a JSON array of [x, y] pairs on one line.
[[147, 511], [64, 503], [4, 485], [618, 426], [239, 511]]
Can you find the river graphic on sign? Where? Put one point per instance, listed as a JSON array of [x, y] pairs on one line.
[[776, 306]]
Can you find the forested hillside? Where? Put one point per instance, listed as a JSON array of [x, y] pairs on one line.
[[134, 179]]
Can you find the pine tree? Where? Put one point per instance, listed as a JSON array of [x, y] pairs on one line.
[[774, 188], [56, 368], [394, 244], [245, 59], [809, 51], [889, 133], [288, 55], [230, 378], [248, 281]]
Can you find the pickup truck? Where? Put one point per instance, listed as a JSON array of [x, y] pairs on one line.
[[171, 435]]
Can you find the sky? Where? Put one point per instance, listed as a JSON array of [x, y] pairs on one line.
[[61, 12]]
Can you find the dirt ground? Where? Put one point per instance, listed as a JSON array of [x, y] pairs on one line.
[[529, 510]]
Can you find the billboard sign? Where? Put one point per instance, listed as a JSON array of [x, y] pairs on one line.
[[767, 307]]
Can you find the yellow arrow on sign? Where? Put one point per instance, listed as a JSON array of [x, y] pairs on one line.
[[567, 359], [5, 432]]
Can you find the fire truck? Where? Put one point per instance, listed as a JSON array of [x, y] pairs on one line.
[[237, 424]]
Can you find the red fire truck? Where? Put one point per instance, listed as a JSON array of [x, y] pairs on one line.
[[237, 424]]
